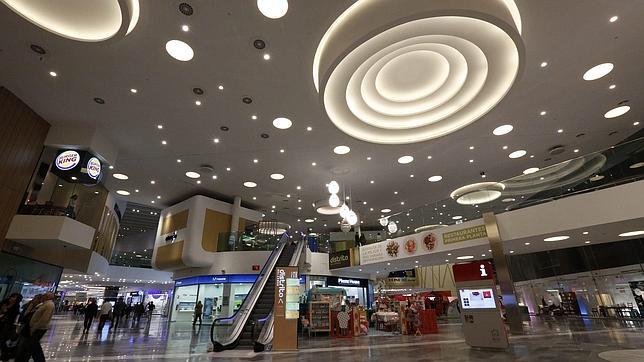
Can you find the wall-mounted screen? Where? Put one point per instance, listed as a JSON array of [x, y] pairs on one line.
[[477, 298]]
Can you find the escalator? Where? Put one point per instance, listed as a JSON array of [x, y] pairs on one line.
[[254, 317]]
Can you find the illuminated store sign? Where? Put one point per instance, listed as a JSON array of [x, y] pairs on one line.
[[94, 168], [349, 282], [67, 160]]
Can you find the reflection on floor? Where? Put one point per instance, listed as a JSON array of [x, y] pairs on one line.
[[545, 340]]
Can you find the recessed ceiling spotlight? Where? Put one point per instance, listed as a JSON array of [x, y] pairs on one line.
[[198, 182], [309, 220], [372, 182], [133, 90], [632, 233], [299, 188], [530, 170], [517, 154], [636, 165], [255, 160], [220, 87], [158, 197], [53, 74], [465, 257], [250, 184], [543, 113], [369, 158], [405, 159], [273, 9], [585, 233], [560, 130], [636, 123], [74, 178], [185, 27], [471, 147], [612, 86], [216, 140], [505, 147], [341, 150], [309, 128], [429, 157], [137, 190], [576, 150], [193, 174], [152, 182], [159, 126], [557, 238], [598, 71], [266, 56], [253, 117], [617, 111], [587, 242], [277, 176], [313, 164], [179, 50], [544, 64], [384, 211], [435, 178], [120, 176], [511, 251], [395, 192], [504, 129], [471, 161], [214, 177], [526, 243], [412, 175], [457, 217], [227, 168], [164, 142], [282, 123], [613, 18], [198, 102], [281, 150], [123, 192]]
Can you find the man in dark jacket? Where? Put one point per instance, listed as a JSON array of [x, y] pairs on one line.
[[90, 313], [9, 311], [119, 310]]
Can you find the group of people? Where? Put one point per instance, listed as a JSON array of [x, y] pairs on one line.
[[114, 313], [21, 330]]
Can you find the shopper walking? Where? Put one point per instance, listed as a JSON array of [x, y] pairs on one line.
[[119, 310], [91, 310], [105, 311], [9, 312], [198, 312], [38, 325], [139, 309], [151, 307]]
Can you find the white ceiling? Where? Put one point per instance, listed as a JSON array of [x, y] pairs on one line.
[[571, 35]]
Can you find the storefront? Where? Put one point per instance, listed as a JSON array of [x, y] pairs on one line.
[[26, 276], [357, 290], [221, 295]]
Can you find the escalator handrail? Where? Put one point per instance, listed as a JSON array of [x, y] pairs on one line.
[[266, 334], [250, 300]]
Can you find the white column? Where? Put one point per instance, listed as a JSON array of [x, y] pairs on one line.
[[234, 221]]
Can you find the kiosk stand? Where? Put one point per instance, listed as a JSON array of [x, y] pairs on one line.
[[480, 308]]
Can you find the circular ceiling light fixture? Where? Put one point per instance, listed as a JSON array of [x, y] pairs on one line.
[[179, 50], [509, 199], [309, 220], [427, 227], [333, 187], [632, 233], [323, 207], [457, 217], [277, 176], [86, 21], [405, 159], [383, 221], [334, 200], [370, 67], [517, 154], [478, 193], [120, 176], [392, 227], [273, 9], [192, 174], [617, 111], [636, 165], [341, 150], [384, 211], [501, 130], [282, 123], [435, 178], [250, 184], [530, 170], [557, 238], [123, 192], [598, 71]]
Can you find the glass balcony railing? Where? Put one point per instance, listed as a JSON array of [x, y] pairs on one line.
[[246, 241]]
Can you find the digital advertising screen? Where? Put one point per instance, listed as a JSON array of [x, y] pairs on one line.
[[477, 298]]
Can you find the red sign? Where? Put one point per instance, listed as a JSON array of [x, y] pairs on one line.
[[476, 270], [256, 267]]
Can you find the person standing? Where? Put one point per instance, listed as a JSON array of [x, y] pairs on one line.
[[91, 310], [38, 325], [138, 312], [9, 311], [119, 310], [198, 312], [151, 307], [71, 207], [106, 310]]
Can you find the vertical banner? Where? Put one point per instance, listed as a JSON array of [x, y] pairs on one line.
[[286, 308]]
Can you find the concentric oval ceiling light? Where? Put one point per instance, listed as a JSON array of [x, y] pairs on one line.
[[81, 20], [598, 71], [250, 184], [530, 170], [333, 187], [435, 178], [309, 220], [616, 112], [517, 154], [179, 50], [501, 130], [632, 233], [384, 211], [478, 193], [323, 207], [282, 123], [120, 176], [405, 71], [465, 257], [123, 192], [405, 159], [193, 174], [557, 238], [342, 150], [273, 9], [277, 176], [636, 165]]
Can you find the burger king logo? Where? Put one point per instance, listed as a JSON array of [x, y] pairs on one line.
[[94, 168], [67, 160]]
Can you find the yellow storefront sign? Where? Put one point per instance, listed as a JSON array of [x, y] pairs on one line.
[[475, 232]]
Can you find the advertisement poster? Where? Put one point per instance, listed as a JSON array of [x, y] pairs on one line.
[[637, 287]]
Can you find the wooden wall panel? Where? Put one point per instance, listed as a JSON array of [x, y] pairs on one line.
[[22, 135]]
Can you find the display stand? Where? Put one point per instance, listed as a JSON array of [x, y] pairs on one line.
[[428, 321], [319, 317]]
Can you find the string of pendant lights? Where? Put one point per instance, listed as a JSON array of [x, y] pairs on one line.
[[346, 213]]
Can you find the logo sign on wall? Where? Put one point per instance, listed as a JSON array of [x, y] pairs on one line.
[[94, 168], [67, 160], [340, 259]]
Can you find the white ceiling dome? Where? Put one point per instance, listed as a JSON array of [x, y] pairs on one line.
[[426, 69]]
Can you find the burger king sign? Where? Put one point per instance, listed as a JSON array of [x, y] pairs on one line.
[[67, 160], [94, 168]]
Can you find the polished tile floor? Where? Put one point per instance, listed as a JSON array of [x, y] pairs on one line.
[[545, 340]]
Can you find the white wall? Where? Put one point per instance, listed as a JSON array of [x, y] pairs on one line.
[[232, 262]]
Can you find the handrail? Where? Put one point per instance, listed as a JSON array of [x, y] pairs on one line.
[[249, 301], [266, 334]]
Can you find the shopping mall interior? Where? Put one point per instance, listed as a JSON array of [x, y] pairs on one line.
[[334, 180]]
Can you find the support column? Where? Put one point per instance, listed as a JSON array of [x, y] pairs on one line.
[[504, 278], [234, 222]]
